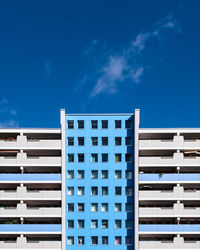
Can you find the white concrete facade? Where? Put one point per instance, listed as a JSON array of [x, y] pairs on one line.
[[169, 189], [30, 189]]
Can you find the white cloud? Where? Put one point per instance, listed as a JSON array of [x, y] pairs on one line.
[[129, 63], [9, 124], [136, 75], [7, 114], [47, 66]]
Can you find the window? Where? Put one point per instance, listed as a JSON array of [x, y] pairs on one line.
[[128, 141], [104, 124], [128, 224], [94, 141], [70, 124], [81, 191], [104, 157], [118, 223], [80, 157], [104, 240], [94, 207], [94, 240], [70, 207], [81, 223], [70, 224], [94, 174], [118, 240], [118, 191], [70, 240], [104, 141], [94, 190], [118, 124], [118, 174], [128, 207], [118, 207], [118, 157], [128, 240], [80, 141], [70, 190], [81, 174], [80, 124], [104, 224], [128, 174], [70, 174], [94, 224], [104, 207], [128, 124], [81, 207], [94, 157], [104, 191], [128, 157], [104, 174], [94, 124], [128, 191], [81, 240], [70, 157], [70, 141], [118, 141]]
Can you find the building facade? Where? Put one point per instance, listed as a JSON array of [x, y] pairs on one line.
[[99, 182]]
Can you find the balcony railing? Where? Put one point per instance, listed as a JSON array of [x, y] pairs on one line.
[[177, 243], [169, 228], [23, 142], [30, 228], [177, 210], [30, 177], [22, 211], [21, 159], [175, 160], [23, 194], [169, 177], [177, 193]]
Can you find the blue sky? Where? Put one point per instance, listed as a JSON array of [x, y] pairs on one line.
[[99, 56]]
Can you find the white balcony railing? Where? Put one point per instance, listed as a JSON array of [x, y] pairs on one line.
[[23, 194], [177, 193], [177, 142], [177, 243], [21, 243], [23, 211], [21, 159], [177, 210], [176, 159], [22, 142]]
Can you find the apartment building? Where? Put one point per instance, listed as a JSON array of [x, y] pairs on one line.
[[30, 189], [169, 189], [99, 182]]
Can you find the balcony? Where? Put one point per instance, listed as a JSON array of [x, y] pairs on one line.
[[177, 210], [22, 211], [169, 177], [169, 228], [24, 143], [22, 228], [175, 160], [161, 143], [30, 177], [177, 193], [177, 243], [23, 194], [21, 159], [177, 142]]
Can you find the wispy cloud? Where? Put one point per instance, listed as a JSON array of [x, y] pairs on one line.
[[7, 115], [109, 69], [47, 67]]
